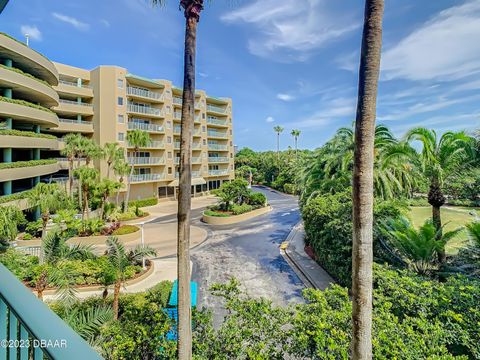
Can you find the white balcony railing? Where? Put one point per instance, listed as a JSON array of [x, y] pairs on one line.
[[132, 90], [73, 121], [216, 109], [213, 133], [147, 110], [151, 144], [195, 174], [218, 159], [71, 102], [177, 100], [146, 127], [146, 177], [218, 172], [143, 160], [216, 121], [217, 147], [74, 84]]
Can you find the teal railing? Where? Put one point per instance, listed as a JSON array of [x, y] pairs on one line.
[[30, 330]]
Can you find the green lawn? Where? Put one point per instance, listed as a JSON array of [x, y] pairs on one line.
[[452, 218]]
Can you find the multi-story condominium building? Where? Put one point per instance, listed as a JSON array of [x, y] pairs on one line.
[[105, 104]]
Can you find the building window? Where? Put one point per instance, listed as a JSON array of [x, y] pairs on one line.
[[170, 155], [231, 144], [169, 139], [169, 124], [203, 128], [203, 115], [204, 142], [120, 83], [230, 131], [121, 136], [231, 156], [120, 101], [120, 118], [169, 171], [168, 109]]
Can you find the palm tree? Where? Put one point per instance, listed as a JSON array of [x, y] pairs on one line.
[[92, 151], [418, 248], [296, 134], [47, 198], [105, 189], [278, 129], [138, 139], [192, 10], [10, 218], [112, 153], [55, 251], [362, 249], [473, 230], [70, 150], [439, 158], [119, 259], [122, 170], [88, 178]]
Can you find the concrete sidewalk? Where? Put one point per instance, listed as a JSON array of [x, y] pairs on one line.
[[312, 274]]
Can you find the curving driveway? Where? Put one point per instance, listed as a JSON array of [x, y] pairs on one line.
[[249, 251]]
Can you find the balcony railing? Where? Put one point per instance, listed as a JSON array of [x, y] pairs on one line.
[[195, 160], [73, 121], [145, 177], [218, 159], [178, 116], [194, 174], [216, 121], [71, 102], [147, 110], [151, 144], [218, 172], [74, 84], [141, 160], [218, 134], [132, 90], [177, 100], [217, 147], [216, 109], [177, 129], [146, 127], [195, 146], [33, 324]]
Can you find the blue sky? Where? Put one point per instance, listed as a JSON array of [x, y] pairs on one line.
[[284, 62]]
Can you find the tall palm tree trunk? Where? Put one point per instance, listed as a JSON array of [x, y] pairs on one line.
[[70, 177], [437, 200], [127, 199], [362, 251], [44, 234], [116, 295], [184, 191]]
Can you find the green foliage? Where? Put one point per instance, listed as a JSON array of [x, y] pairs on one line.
[[12, 197], [14, 132], [241, 209], [144, 202], [233, 192], [34, 228], [24, 74], [289, 188], [216, 213], [18, 263], [256, 199], [125, 229], [28, 163], [25, 103], [10, 218]]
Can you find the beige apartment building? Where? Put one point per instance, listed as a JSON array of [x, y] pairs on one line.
[[105, 104]]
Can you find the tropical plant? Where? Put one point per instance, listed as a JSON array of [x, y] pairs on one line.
[[138, 139], [473, 230], [440, 158], [10, 218], [418, 248], [234, 191], [120, 259], [88, 178], [113, 153], [362, 249], [278, 129], [296, 134], [105, 188], [122, 169], [71, 149], [47, 198]]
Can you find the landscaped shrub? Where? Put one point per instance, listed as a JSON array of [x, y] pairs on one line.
[[20, 164], [143, 202], [34, 228], [14, 132], [328, 228], [289, 188], [216, 213], [15, 196], [125, 229], [25, 74], [25, 103], [257, 199], [241, 209]]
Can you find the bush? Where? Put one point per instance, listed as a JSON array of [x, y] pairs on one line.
[[25, 103], [143, 202], [125, 229], [27, 236], [34, 228], [241, 209], [215, 213], [257, 199], [289, 189], [15, 196], [20, 164], [14, 132]]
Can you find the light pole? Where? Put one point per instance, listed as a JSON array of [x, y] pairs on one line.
[[143, 243]]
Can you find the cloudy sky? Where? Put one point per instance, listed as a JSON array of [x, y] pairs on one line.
[[284, 62]]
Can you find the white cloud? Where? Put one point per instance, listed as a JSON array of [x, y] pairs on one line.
[[105, 23], [450, 122], [334, 110], [447, 47], [202, 74], [269, 119], [285, 97], [32, 31], [349, 62], [291, 30], [72, 21]]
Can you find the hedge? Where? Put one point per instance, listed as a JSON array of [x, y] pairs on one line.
[[143, 202], [25, 103], [29, 163], [17, 196], [125, 229], [13, 132], [21, 42], [25, 74]]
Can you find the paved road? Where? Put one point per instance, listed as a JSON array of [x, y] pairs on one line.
[[250, 252]]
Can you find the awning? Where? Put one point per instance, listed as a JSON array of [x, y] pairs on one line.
[[195, 181]]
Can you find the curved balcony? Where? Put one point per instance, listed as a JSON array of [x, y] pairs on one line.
[[28, 171], [27, 142], [28, 87], [71, 107], [74, 126], [29, 113], [37, 64]]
